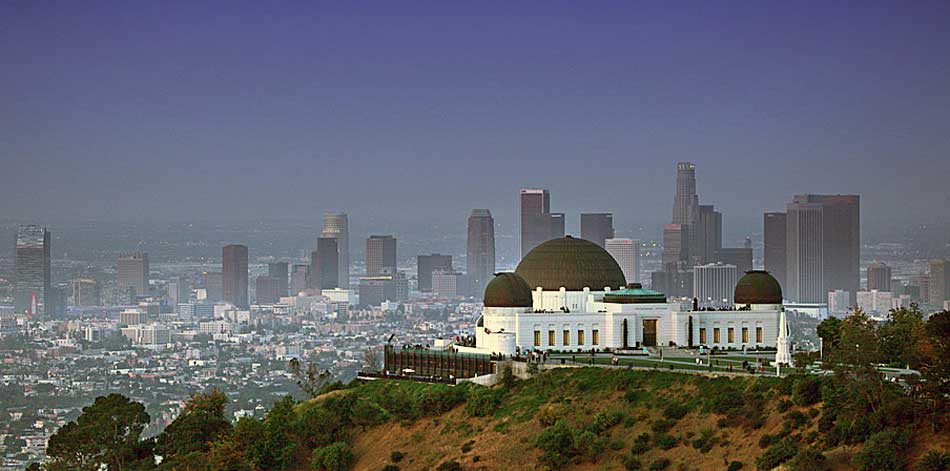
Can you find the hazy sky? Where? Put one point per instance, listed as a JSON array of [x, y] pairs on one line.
[[413, 110]]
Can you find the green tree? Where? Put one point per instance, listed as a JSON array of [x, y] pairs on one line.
[[335, 457], [829, 330], [201, 423], [107, 432], [900, 335], [310, 379]]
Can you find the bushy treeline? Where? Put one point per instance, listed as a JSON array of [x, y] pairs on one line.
[[201, 438]]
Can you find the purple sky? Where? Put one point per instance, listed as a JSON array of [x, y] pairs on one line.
[[422, 110]]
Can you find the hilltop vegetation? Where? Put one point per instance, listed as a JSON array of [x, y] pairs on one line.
[[583, 418]]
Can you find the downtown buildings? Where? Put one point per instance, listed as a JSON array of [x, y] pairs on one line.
[[597, 227], [337, 226], [132, 275], [480, 249], [380, 255], [234, 275], [627, 254], [538, 223], [31, 291]]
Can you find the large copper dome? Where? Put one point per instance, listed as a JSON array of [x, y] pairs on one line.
[[571, 263], [758, 287]]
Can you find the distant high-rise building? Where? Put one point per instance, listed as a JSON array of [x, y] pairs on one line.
[[214, 286], [132, 272], [839, 301], [875, 303], [939, 288], [86, 293], [266, 290], [380, 255], [177, 290], [448, 284], [278, 271], [234, 275], [32, 270], [708, 228], [537, 222], [480, 253], [823, 244], [675, 246], [374, 290], [597, 227], [299, 279], [686, 203], [627, 254], [775, 246], [327, 264], [920, 284], [879, 277], [714, 284], [426, 265], [741, 257], [337, 225]]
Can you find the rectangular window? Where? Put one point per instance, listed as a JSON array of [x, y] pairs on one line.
[[758, 335], [731, 333], [537, 338], [580, 337], [551, 341], [716, 335], [566, 337], [595, 337], [745, 335], [702, 335]]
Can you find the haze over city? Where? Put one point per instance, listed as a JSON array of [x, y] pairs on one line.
[[241, 236]]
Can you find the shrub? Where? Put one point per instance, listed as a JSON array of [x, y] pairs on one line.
[[675, 411], [390, 467], [662, 425], [734, 466], [587, 444], [616, 445], [882, 451], [482, 401], [467, 446], [796, 419], [555, 442], [784, 405], [450, 465], [665, 441], [807, 390], [631, 463], [548, 414], [706, 440], [604, 420], [335, 457], [641, 444], [766, 440], [777, 454], [659, 464], [629, 421], [396, 456], [808, 459], [934, 461]]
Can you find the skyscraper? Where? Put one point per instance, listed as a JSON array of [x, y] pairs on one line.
[[299, 279], [426, 265], [234, 275], [714, 284], [328, 264], [675, 246], [708, 228], [32, 270], [686, 203], [337, 225], [537, 222], [278, 271], [480, 253], [804, 262], [879, 277], [627, 254], [939, 288], [132, 273], [823, 244], [214, 286], [741, 257], [86, 293], [597, 227], [380, 255], [265, 290], [775, 246]]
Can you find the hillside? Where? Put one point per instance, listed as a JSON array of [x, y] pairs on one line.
[[609, 419]]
